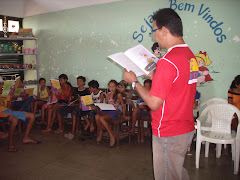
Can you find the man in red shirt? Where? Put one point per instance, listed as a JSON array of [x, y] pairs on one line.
[[171, 97]]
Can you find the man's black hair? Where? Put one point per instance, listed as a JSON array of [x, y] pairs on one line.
[[93, 84], [170, 19], [82, 78]]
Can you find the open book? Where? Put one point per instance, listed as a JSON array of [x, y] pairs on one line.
[[55, 85], [137, 59], [104, 106], [29, 90]]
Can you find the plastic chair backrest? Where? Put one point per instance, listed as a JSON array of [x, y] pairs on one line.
[[221, 116], [210, 102]]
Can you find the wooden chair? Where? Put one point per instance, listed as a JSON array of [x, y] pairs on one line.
[[145, 131]]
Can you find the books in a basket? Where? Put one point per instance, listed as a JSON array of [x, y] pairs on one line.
[[137, 59], [55, 85]]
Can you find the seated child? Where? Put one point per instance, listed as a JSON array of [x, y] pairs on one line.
[[234, 99], [22, 101], [142, 109], [127, 96], [11, 117], [52, 99], [115, 98], [64, 97], [97, 96], [42, 95], [74, 108]]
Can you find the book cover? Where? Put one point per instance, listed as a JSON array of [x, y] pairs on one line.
[[17, 82], [55, 85], [104, 106], [8, 87], [29, 91], [137, 59], [86, 102], [18, 91]]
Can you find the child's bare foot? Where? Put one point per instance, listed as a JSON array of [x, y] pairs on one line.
[[12, 149], [46, 131], [112, 140], [99, 137], [87, 126], [28, 140], [58, 131]]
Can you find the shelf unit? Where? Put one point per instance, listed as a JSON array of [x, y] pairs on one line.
[[21, 54]]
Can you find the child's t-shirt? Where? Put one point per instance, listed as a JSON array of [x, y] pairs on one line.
[[44, 93], [96, 97], [78, 92]]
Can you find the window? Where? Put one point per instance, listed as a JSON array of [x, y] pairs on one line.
[[13, 26]]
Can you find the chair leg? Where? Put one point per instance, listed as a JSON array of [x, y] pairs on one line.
[[117, 134], [139, 130], [233, 147], [218, 150], [237, 156], [19, 130], [206, 149], [198, 149], [142, 130]]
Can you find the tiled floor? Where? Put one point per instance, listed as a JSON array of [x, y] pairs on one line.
[[84, 159]]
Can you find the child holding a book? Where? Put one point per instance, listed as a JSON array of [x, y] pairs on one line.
[[64, 96], [52, 99], [12, 117], [142, 109], [42, 95], [74, 108], [21, 100], [98, 97], [115, 98]]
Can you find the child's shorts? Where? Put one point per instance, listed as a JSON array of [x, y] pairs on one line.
[[143, 113], [17, 114], [60, 101], [78, 112], [111, 113], [92, 114], [64, 110]]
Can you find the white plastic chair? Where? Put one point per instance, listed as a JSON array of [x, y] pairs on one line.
[[206, 125], [220, 132]]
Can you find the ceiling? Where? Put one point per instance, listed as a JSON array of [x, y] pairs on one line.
[[26, 8]]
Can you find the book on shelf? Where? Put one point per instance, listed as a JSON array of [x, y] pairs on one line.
[[136, 59], [55, 85], [10, 86], [104, 106], [86, 102]]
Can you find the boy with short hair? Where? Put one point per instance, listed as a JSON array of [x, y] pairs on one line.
[[97, 96], [74, 107]]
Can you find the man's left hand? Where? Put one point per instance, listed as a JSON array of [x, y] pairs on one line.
[[129, 77]]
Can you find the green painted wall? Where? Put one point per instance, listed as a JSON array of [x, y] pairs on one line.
[[78, 41]]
